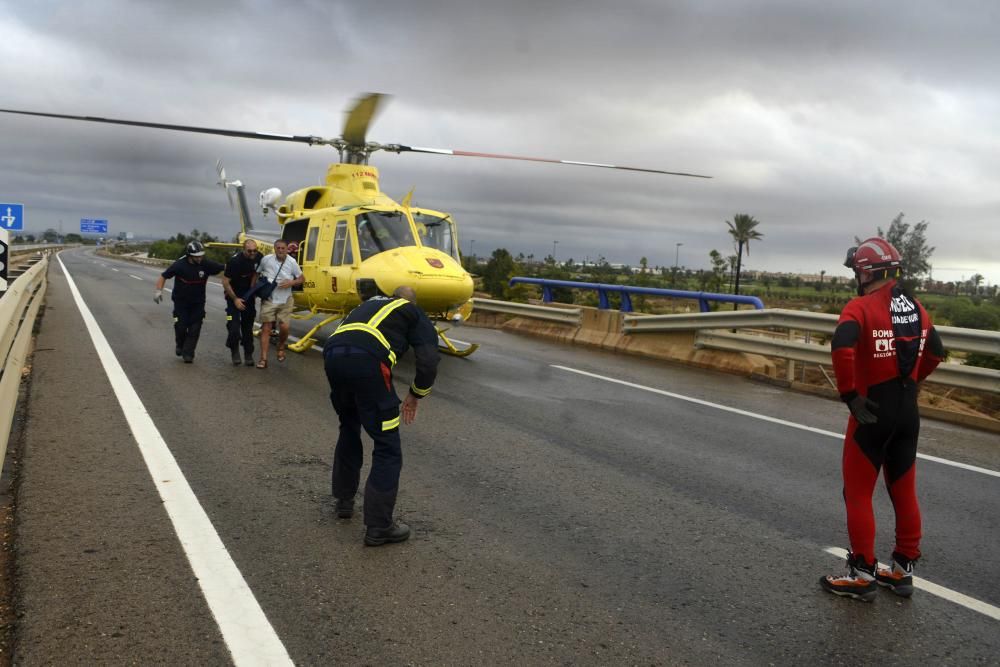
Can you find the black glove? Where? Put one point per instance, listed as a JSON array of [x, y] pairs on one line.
[[861, 407]]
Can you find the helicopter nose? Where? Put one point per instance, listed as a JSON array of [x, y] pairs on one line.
[[438, 280]]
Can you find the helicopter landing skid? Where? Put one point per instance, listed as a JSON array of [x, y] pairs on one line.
[[448, 347], [307, 341]]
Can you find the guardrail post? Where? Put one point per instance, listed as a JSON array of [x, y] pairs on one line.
[[790, 369], [546, 294], [602, 300], [626, 302], [703, 306]]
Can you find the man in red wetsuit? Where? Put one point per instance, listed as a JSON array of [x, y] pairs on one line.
[[884, 345]]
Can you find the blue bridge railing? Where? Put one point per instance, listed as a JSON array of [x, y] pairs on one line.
[[626, 291]]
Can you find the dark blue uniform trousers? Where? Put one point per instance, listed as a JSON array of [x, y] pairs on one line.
[[239, 324], [362, 394], [188, 317]]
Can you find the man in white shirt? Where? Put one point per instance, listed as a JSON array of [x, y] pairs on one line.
[[284, 272]]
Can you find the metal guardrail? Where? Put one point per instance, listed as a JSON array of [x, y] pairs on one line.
[[564, 315], [18, 309], [954, 338], [626, 291]]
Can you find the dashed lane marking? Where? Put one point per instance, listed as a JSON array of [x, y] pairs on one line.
[[248, 634], [134, 276], [773, 420], [114, 269], [961, 599]]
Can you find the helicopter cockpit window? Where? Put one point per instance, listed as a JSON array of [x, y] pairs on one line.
[[379, 231], [436, 232]]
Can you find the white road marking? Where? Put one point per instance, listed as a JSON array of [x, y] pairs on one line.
[[961, 599], [114, 269], [134, 276], [774, 420], [248, 634]]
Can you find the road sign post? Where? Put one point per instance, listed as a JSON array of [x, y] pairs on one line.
[[12, 217], [4, 256]]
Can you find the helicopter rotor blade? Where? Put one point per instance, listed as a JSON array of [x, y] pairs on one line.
[[397, 148], [360, 117], [311, 140]]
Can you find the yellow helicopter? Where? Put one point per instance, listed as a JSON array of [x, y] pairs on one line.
[[348, 229]]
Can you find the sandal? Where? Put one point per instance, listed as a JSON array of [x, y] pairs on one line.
[[281, 353], [262, 363]]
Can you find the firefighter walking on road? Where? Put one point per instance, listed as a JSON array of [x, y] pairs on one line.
[[239, 276], [883, 347], [190, 274], [359, 357]]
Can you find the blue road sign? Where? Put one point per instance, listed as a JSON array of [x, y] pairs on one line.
[[11, 216], [90, 226]]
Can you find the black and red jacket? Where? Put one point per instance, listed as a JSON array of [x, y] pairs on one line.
[[880, 336]]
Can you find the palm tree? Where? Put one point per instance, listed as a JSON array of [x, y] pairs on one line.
[[742, 230]]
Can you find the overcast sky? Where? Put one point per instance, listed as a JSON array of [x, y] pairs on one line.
[[822, 120]]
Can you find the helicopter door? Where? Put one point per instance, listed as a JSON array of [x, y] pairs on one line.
[[338, 277], [316, 238]]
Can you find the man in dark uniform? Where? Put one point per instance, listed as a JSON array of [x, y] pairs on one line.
[[239, 276], [883, 347], [359, 357], [191, 274]]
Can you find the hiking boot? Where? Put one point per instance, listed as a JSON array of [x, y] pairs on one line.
[[858, 583], [188, 358], [898, 577], [248, 358], [397, 532], [236, 358], [345, 509], [178, 350]]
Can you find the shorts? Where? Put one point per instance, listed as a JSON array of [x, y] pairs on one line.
[[270, 311]]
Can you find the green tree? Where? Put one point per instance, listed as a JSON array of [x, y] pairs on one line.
[[718, 274], [912, 246], [498, 272], [742, 229], [50, 235]]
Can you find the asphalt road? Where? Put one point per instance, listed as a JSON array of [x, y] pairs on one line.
[[558, 517]]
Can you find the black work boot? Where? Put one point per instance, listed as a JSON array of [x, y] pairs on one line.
[[397, 532], [236, 357], [248, 358], [345, 508], [178, 350]]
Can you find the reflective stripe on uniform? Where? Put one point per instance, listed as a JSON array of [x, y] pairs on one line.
[[385, 310], [370, 327], [229, 318], [391, 424], [419, 392]]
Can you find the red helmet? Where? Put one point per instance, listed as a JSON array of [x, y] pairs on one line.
[[874, 259]]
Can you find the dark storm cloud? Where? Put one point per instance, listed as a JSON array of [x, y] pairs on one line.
[[822, 120]]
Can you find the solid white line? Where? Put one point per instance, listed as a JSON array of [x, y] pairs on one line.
[[112, 268], [961, 599], [134, 276], [774, 420], [248, 634]]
